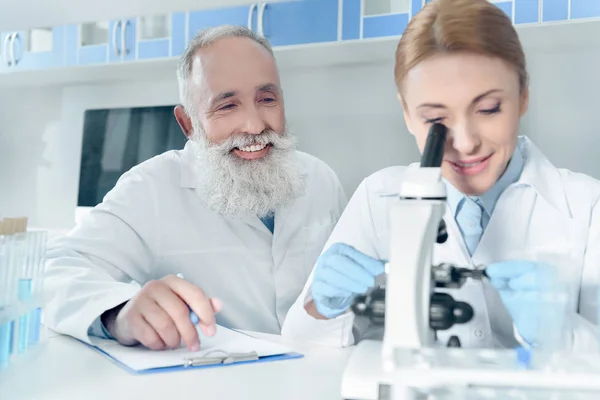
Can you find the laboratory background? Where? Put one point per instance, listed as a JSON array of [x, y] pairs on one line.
[[76, 111], [87, 91]]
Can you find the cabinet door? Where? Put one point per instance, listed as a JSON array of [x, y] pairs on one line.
[[160, 36], [129, 39], [200, 20], [5, 57], [387, 17], [121, 46], [41, 48], [88, 43], [299, 22]]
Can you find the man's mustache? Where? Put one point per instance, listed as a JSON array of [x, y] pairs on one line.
[[267, 137]]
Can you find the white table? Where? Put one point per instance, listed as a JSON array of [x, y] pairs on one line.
[[64, 369]]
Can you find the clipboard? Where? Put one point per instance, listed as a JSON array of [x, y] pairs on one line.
[[228, 347]]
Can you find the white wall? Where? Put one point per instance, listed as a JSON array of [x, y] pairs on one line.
[[348, 116]]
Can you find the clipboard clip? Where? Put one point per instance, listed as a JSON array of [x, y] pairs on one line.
[[225, 358]]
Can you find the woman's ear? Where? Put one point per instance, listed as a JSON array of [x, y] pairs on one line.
[[524, 102]]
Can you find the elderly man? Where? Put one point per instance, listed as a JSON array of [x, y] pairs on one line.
[[229, 227]]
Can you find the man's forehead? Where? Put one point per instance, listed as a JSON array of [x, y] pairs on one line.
[[243, 69]]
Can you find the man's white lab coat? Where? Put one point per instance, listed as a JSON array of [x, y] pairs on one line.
[[549, 214], [153, 224]]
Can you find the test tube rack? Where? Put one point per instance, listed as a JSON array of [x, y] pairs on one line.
[[22, 256]]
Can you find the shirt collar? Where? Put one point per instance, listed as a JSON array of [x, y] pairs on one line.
[[489, 199]]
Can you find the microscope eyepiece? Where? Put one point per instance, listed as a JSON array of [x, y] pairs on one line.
[[434, 146]]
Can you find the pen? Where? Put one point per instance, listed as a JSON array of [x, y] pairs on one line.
[[193, 317]]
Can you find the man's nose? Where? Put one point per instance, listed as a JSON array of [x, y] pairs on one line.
[[465, 139], [254, 123]]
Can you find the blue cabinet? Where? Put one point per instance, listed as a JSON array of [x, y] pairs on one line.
[[385, 25], [6, 62], [90, 43], [284, 24], [380, 19], [100, 42], [242, 15], [287, 23], [125, 40], [122, 46], [156, 37], [299, 22], [34, 49]]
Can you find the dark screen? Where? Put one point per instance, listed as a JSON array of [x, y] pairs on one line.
[[115, 140]]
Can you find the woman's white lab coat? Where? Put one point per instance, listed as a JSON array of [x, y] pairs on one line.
[[550, 215], [153, 224]]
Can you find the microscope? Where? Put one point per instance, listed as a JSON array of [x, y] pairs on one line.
[[412, 311], [416, 223]]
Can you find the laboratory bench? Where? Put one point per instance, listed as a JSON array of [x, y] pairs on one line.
[[62, 368]]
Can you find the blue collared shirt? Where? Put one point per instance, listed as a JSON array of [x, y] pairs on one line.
[[489, 199], [269, 222]]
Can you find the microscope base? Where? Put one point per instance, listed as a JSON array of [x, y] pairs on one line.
[[363, 378]]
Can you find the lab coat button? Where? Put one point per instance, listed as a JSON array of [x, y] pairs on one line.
[[478, 333]]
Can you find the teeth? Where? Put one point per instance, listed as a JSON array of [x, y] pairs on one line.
[[468, 165], [253, 148]]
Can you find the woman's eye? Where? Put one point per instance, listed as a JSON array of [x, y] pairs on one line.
[[489, 111], [433, 120]]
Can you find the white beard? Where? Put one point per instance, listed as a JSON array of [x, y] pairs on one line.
[[236, 187]]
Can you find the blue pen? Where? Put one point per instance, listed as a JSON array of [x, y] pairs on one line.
[[193, 317]]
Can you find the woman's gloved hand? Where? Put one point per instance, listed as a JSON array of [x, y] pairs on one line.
[[531, 293], [342, 272]]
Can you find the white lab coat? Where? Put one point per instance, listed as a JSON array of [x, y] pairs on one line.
[[550, 214], [153, 224]]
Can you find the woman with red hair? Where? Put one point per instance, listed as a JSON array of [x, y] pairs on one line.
[[536, 227]]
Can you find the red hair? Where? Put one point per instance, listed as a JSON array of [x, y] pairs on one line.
[[448, 26]]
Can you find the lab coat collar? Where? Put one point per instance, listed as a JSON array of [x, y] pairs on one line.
[[189, 176], [543, 176], [538, 172]]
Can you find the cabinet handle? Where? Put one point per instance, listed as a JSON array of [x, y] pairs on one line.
[[123, 33], [7, 39], [15, 36], [261, 19], [114, 38], [250, 14]]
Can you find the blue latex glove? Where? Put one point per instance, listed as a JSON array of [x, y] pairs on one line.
[[342, 272], [526, 289]]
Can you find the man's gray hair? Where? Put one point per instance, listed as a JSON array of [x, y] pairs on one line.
[[203, 39]]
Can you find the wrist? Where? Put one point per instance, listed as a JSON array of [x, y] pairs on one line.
[[311, 309], [110, 321]]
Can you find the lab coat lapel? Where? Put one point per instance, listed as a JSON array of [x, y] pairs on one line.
[[255, 222], [505, 235]]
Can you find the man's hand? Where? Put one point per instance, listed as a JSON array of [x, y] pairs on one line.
[[159, 318]]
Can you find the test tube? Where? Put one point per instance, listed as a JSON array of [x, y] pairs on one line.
[[24, 261], [38, 251], [8, 300], [4, 318]]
